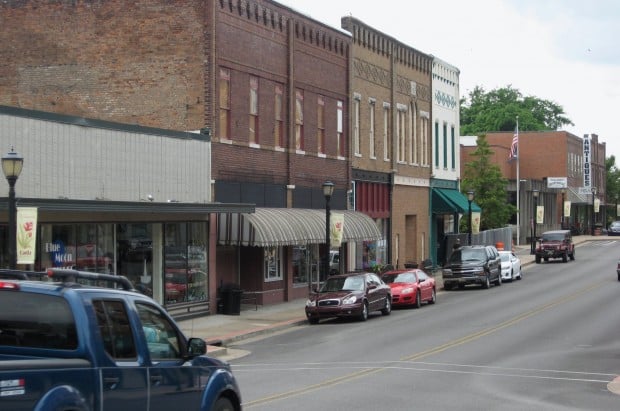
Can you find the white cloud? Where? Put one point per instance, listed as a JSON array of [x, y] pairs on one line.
[[558, 50]]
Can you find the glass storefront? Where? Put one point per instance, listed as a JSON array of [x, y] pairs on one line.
[[305, 264]]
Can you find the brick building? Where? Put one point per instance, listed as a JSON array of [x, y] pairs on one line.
[[542, 156], [266, 84], [391, 141]]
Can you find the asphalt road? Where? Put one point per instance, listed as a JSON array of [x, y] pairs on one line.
[[548, 342]]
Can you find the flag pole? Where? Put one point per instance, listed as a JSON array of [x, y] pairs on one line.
[[518, 185]]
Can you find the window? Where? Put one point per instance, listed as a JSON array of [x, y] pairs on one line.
[[401, 133], [161, 337], [425, 142], [387, 141], [445, 145], [356, 125], [320, 121], [253, 110], [371, 132], [278, 128], [339, 129], [299, 120], [272, 264], [415, 150], [224, 125], [453, 147], [305, 264], [436, 145], [115, 329]]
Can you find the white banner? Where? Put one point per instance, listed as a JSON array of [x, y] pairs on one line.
[[26, 234], [475, 222], [336, 222], [540, 214], [567, 209], [597, 205]]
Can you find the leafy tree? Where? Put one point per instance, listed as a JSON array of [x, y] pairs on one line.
[[486, 180], [613, 185], [497, 110]]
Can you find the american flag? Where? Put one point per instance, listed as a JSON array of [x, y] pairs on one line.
[[514, 148]]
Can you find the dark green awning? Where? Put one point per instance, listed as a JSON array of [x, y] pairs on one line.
[[451, 201]]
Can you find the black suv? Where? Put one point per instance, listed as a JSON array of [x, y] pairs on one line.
[[555, 244], [473, 264]]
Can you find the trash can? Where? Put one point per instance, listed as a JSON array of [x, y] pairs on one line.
[[231, 301]]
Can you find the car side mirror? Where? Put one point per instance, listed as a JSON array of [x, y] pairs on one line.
[[196, 346], [372, 286]]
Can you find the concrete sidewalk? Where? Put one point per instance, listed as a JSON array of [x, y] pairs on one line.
[[221, 330]]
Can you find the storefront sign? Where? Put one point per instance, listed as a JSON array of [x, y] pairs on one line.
[[26, 234], [586, 162], [60, 256]]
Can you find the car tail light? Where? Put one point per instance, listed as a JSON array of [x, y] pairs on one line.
[[8, 285]]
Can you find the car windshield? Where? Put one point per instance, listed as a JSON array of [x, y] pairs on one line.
[[343, 284], [398, 278], [553, 237], [468, 254], [505, 257]]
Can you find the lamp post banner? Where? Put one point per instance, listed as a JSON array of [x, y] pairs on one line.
[[26, 234], [597, 205], [337, 226], [566, 209], [475, 222], [540, 214]]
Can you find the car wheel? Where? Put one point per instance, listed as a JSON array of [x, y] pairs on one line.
[[498, 282], [487, 283], [512, 275], [520, 277], [572, 255], [418, 300], [565, 257], [364, 314], [387, 309], [223, 404], [433, 299], [313, 320], [546, 259], [537, 259]]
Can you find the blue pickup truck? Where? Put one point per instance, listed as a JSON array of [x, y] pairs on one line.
[[68, 346]]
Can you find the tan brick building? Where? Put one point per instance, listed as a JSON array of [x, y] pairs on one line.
[[391, 140]]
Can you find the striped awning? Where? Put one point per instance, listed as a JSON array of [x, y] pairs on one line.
[[290, 226], [577, 198]]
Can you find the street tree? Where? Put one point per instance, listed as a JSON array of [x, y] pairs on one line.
[[485, 178], [497, 110], [612, 184]]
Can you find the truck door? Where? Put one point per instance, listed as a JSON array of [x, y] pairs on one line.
[[173, 384], [123, 379]]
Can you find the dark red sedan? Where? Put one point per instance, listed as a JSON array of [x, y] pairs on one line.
[[410, 287], [349, 295]]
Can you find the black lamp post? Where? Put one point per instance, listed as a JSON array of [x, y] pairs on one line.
[[470, 198], [593, 217], [12, 164], [328, 190], [535, 204]]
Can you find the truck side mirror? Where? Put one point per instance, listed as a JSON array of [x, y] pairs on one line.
[[197, 346]]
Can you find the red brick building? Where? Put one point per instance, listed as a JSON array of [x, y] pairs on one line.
[[543, 155]]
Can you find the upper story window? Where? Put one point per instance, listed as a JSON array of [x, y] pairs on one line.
[[320, 121], [387, 140], [299, 120], [278, 128], [453, 147], [356, 124], [339, 129], [401, 133], [445, 145], [224, 102], [371, 128], [253, 120], [413, 135]]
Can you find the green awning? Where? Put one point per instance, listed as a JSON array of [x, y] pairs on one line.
[[451, 201]]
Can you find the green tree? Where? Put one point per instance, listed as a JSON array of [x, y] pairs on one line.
[[486, 180], [612, 186], [497, 110]]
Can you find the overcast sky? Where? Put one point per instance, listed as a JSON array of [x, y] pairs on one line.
[[565, 51]]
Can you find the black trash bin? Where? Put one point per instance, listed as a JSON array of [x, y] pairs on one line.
[[231, 301]]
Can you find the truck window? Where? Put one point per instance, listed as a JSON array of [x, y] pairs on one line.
[[115, 330], [161, 337], [36, 321]]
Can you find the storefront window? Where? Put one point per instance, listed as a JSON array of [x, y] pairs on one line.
[[185, 262], [272, 262], [372, 253], [58, 246], [135, 255], [305, 264]]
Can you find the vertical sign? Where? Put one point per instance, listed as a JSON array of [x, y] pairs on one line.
[[587, 182], [26, 234], [336, 221]]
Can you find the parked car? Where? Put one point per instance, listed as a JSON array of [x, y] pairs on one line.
[[410, 287], [349, 295], [334, 262], [614, 228], [555, 244], [472, 264], [511, 265]]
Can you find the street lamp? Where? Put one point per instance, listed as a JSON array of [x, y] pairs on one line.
[[470, 198], [593, 217], [328, 190], [535, 204], [12, 164]]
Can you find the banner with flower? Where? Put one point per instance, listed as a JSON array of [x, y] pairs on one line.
[[26, 234], [336, 222]]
